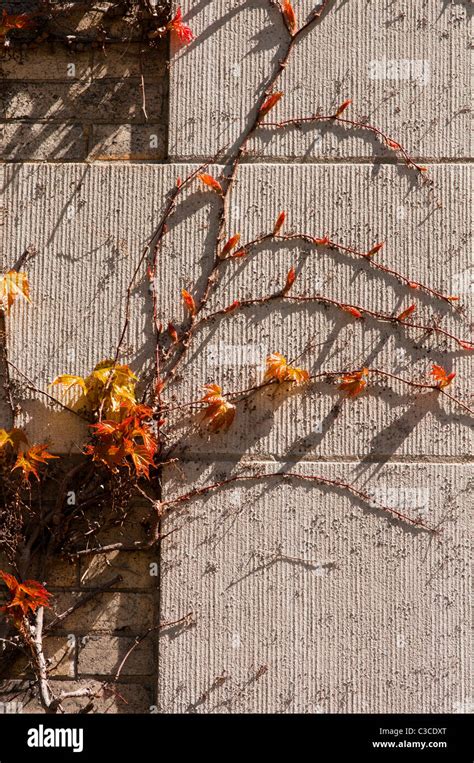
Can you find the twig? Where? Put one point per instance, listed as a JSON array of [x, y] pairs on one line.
[[139, 639]]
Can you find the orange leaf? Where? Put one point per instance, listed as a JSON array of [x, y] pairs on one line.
[[14, 437], [269, 103], [235, 304], [290, 279], [24, 597], [322, 241], [29, 460], [127, 443], [240, 253], [413, 285], [355, 382], [422, 169], [352, 310], [188, 301], [15, 21], [453, 298], [375, 249], [393, 144], [405, 313], [289, 15], [441, 376], [279, 369], [172, 333], [279, 223], [343, 107], [210, 182], [231, 243], [219, 413]]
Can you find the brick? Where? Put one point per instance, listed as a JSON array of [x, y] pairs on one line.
[[126, 612], [102, 655], [135, 568], [128, 143], [124, 61], [306, 600], [47, 64], [103, 101], [125, 698], [26, 141]]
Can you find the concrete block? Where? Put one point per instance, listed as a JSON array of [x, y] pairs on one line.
[[306, 600], [395, 63], [102, 655], [358, 208]]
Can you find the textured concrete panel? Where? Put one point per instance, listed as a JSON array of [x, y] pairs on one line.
[[89, 225], [427, 238], [305, 600], [405, 66]]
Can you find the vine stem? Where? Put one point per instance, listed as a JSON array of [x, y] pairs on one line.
[[236, 395], [377, 315], [183, 498]]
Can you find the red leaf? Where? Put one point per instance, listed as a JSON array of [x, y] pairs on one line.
[[343, 107], [240, 253], [352, 310], [231, 243], [375, 249], [235, 304], [441, 376], [322, 241], [289, 15], [279, 223], [290, 279], [466, 345], [269, 103], [182, 30], [393, 144], [413, 285], [172, 333], [188, 301], [210, 182], [24, 597], [405, 313]]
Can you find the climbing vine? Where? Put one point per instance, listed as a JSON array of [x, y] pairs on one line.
[[130, 435]]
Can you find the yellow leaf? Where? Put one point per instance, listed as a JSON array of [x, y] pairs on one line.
[[13, 285]]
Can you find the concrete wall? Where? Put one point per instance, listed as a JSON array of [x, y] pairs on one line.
[[303, 599]]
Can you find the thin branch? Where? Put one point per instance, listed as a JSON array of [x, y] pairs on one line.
[[311, 478]]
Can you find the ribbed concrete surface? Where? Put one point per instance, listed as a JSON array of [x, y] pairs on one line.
[[304, 599], [308, 602], [422, 102], [89, 230]]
